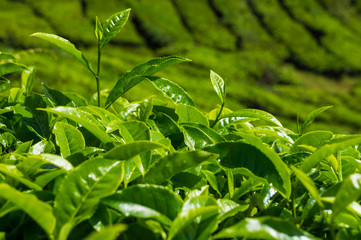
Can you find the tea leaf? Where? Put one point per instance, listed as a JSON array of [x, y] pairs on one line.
[[81, 191], [138, 74], [171, 90], [112, 26], [218, 85], [66, 45], [39, 211], [68, 138]]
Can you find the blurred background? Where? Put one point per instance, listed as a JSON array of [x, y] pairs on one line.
[[287, 57]]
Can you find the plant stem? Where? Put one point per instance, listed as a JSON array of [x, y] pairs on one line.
[[218, 115], [97, 75]]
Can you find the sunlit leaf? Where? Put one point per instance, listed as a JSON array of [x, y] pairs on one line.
[[137, 74], [66, 45]]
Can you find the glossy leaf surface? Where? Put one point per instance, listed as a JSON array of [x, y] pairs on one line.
[[10, 67], [260, 160], [311, 117], [218, 85], [137, 74], [146, 201], [172, 90], [108, 233], [174, 163], [190, 114], [112, 26], [264, 228], [81, 191], [129, 150], [69, 139], [83, 118], [66, 45], [251, 114], [40, 212]]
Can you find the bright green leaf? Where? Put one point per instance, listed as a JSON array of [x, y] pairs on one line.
[[83, 118], [218, 85], [311, 117], [66, 45], [172, 90], [137, 74], [264, 228], [190, 114], [10, 67], [81, 191], [113, 25], [69, 139], [174, 163], [108, 233], [39, 211]]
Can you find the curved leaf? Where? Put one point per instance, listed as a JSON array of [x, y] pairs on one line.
[[251, 115], [113, 25], [174, 163], [309, 185], [13, 172], [349, 191], [218, 85], [83, 118], [260, 160], [171, 90], [69, 139], [190, 114], [195, 138], [81, 191], [326, 151], [314, 139], [146, 201], [186, 217], [7, 56], [311, 117], [40, 212], [108, 233], [264, 228], [66, 45], [10, 67], [129, 150], [98, 29], [28, 79], [137, 74]]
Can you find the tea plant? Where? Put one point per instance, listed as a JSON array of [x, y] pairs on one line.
[[165, 170]]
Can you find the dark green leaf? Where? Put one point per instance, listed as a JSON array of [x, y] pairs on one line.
[[57, 98], [137, 74], [113, 25], [171, 90], [40, 121]]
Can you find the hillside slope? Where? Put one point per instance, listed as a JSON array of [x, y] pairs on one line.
[[288, 57]]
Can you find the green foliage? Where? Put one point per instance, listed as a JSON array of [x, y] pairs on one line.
[[164, 169]]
